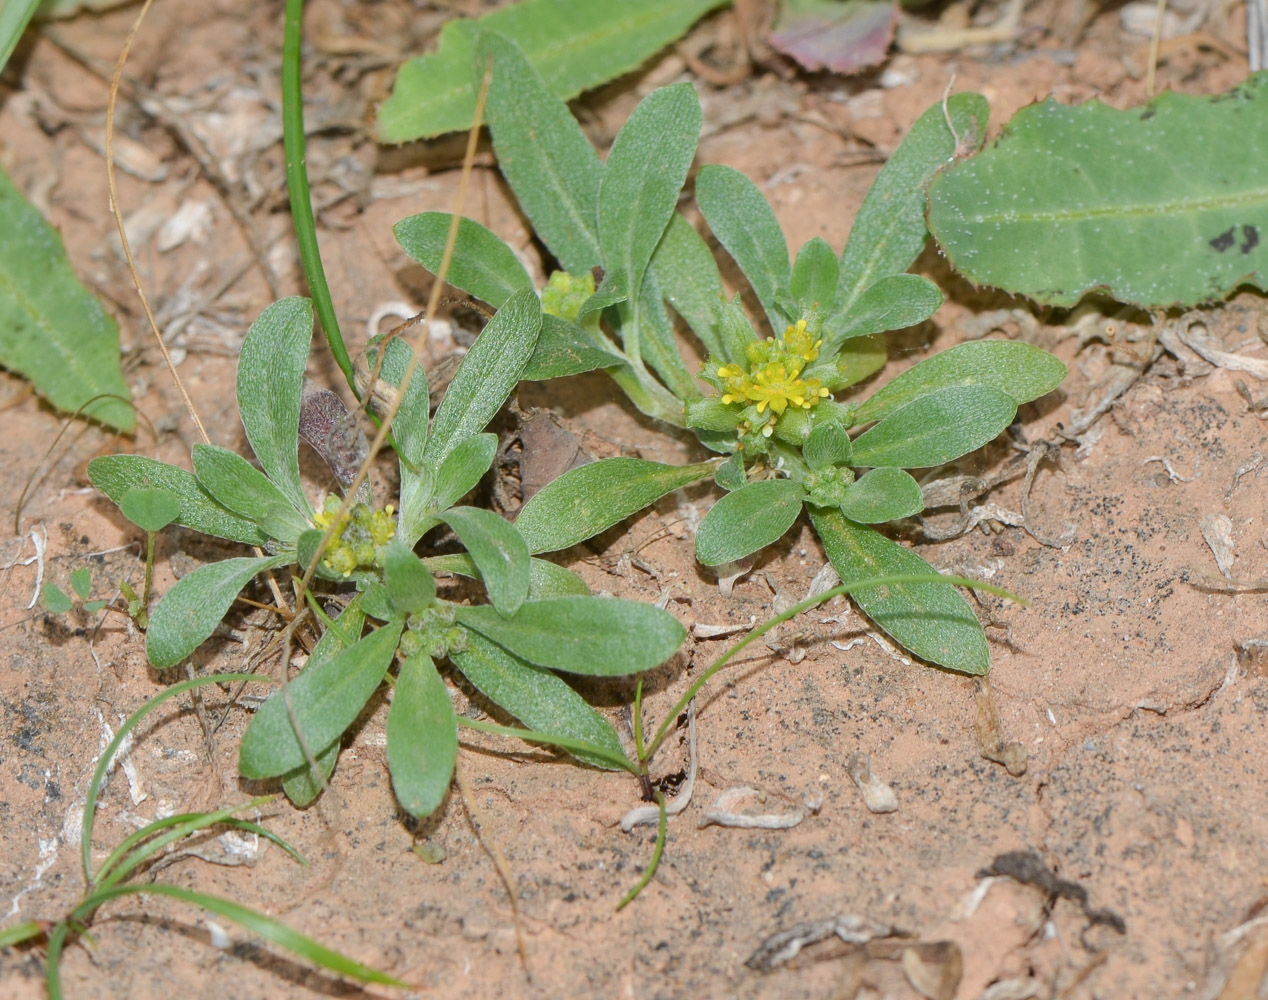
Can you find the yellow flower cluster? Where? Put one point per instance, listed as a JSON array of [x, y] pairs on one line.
[[774, 372], [359, 540]]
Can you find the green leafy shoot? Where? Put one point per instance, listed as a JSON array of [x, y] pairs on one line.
[[132, 856]]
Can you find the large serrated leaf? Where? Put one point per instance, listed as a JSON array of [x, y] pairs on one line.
[[116, 475], [586, 500], [422, 737], [52, 330], [1161, 205], [595, 636], [574, 44], [889, 231], [930, 619], [538, 698]]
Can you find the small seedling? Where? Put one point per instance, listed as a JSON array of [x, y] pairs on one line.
[[771, 404], [59, 602], [113, 877]]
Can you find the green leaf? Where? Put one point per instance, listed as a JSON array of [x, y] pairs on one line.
[[115, 475], [462, 469], [14, 17], [889, 231], [1162, 205], [593, 497], [410, 586], [301, 785], [55, 599], [657, 341], [52, 331], [747, 520], [482, 265], [711, 414], [882, 495], [813, 282], [858, 359], [931, 620], [643, 177], [81, 582], [564, 349], [498, 551], [687, 274], [541, 151], [743, 221], [409, 427], [935, 428], [735, 332], [545, 579], [615, 289], [270, 379], [487, 375], [575, 44], [242, 488], [150, 509], [191, 610], [730, 474], [327, 697], [1020, 370], [893, 303], [595, 636], [536, 697], [827, 445], [422, 737]]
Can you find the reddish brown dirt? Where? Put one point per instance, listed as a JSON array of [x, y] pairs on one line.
[[1144, 731]]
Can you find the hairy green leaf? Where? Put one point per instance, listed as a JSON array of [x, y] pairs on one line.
[[743, 221], [115, 475], [889, 231], [270, 380], [482, 265], [565, 349], [575, 44], [586, 500], [893, 303], [937, 427], [462, 469], [498, 551], [828, 444], [326, 698], [410, 585], [747, 520], [932, 620], [487, 375], [1020, 370], [301, 785], [56, 599], [858, 359], [545, 579], [882, 495], [657, 341], [1162, 205], [52, 330], [684, 269], [813, 282], [536, 697], [615, 288], [543, 154], [422, 737], [191, 610], [643, 177], [242, 488], [150, 509], [596, 636]]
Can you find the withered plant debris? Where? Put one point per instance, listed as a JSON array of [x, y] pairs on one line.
[[1028, 868], [988, 734]]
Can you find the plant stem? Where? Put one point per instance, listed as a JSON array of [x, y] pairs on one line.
[[293, 141], [796, 609], [638, 724], [563, 742], [661, 831]]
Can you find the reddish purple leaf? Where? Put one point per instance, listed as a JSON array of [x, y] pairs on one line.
[[844, 37]]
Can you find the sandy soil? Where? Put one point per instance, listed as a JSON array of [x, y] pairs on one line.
[[1132, 685]]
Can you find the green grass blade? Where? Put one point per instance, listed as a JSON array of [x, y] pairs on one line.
[[273, 931], [19, 933], [15, 15]]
